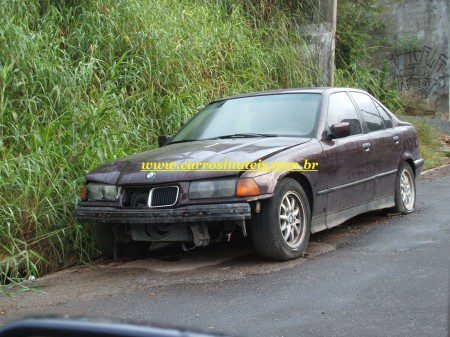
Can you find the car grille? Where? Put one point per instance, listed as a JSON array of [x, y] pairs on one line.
[[163, 196]]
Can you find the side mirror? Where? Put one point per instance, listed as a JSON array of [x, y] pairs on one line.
[[162, 140], [339, 130]]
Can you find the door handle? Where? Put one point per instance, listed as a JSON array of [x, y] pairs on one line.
[[396, 139], [366, 146]]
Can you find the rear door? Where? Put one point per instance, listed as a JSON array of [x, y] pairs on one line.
[[385, 143], [347, 161]]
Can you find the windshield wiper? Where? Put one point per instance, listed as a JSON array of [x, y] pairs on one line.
[[248, 135], [236, 135], [182, 141]]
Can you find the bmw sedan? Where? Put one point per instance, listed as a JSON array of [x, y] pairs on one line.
[[275, 166]]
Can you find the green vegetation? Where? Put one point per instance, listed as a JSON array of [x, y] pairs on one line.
[[430, 146], [85, 82]]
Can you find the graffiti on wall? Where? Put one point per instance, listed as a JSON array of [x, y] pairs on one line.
[[423, 71]]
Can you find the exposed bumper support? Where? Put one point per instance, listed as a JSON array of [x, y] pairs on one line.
[[196, 213]]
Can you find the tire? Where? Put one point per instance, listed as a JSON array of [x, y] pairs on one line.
[[105, 240], [266, 232], [405, 204]]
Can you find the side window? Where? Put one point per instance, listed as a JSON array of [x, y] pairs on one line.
[[385, 115], [341, 109], [368, 111]]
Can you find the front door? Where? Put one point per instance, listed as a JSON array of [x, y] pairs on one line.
[[347, 163]]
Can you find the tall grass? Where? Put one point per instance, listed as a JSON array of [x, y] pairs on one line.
[[85, 82]]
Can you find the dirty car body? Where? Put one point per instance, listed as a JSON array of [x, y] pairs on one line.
[[367, 159]]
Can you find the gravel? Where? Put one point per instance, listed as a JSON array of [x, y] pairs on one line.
[[440, 125]]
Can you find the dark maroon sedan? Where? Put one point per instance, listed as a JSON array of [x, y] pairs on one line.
[[366, 159]]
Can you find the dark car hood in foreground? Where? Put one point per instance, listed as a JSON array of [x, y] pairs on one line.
[[127, 171]]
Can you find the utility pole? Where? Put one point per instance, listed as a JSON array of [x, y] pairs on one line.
[[319, 35], [334, 24], [327, 17]]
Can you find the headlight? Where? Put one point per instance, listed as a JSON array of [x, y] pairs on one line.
[[99, 192], [217, 188]]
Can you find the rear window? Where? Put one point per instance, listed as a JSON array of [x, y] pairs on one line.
[[368, 111], [385, 115]]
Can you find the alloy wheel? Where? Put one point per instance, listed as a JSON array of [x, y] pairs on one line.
[[407, 191], [292, 217]]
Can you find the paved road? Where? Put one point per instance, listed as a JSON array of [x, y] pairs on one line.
[[376, 275]]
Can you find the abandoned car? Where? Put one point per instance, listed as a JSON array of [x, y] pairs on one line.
[[367, 159]]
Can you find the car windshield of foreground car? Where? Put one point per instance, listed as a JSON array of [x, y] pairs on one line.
[[256, 116]]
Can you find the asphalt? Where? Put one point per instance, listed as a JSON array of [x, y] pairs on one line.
[[376, 275]]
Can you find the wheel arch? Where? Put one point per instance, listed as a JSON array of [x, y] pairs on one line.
[[305, 183], [408, 159], [411, 163]]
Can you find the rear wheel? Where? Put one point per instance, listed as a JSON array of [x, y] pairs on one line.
[[405, 192], [282, 228]]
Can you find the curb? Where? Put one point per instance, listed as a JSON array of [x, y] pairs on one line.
[[434, 169]]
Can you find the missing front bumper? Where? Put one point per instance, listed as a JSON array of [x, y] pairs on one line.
[[186, 214]]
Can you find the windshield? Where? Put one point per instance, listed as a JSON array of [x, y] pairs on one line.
[[268, 115]]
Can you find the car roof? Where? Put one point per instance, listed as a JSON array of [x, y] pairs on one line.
[[316, 90]]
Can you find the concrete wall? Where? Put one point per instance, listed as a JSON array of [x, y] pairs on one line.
[[419, 65]]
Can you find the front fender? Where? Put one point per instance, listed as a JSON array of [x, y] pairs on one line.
[[267, 181]]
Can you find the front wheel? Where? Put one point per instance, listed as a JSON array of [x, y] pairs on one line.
[[282, 228], [405, 192]]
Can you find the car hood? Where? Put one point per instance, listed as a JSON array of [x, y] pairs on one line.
[[127, 171]]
